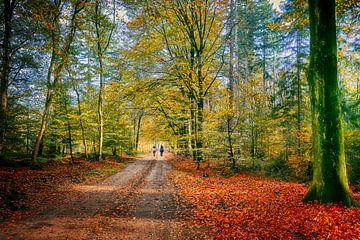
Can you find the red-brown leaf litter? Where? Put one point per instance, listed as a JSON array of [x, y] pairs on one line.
[[248, 206], [26, 192]]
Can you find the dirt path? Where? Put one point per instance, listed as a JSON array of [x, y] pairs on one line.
[[136, 203]]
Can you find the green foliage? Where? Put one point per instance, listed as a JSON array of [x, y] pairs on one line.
[[40, 163], [353, 157], [279, 168]]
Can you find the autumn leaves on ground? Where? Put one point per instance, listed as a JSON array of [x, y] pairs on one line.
[[162, 199]]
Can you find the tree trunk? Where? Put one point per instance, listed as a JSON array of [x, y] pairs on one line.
[[81, 123], [298, 76], [138, 130], [329, 178], [100, 52], [229, 118], [5, 70], [28, 136], [49, 97], [200, 106], [69, 129], [192, 131], [57, 73], [100, 112]]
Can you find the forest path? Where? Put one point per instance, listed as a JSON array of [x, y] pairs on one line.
[[137, 203]]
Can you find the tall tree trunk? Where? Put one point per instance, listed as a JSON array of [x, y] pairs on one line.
[[192, 132], [230, 118], [57, 72], [329, 178], [100, 111], [200, 105], [298, 79], [69, 128], [199, 132], [232, 52], [81, 122], [138, 130], [5, 71], [48, 102], [264, 65], [101, 49]]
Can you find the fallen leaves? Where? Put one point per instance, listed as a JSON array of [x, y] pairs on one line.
[[247, 206], [26, 192]]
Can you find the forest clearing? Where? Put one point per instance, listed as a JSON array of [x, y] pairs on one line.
[[255, 104]]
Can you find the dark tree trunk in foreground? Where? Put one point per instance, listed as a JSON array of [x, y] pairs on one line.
[[329, 180], [5, 70]]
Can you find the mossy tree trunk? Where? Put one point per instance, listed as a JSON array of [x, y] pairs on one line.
[[329, 178]]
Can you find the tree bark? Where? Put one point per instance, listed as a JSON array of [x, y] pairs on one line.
[[5, 70], [229, 117], [298, 78], [138, 130], [100, 52], [48, 102], [100, 111], [81, 123], [69, 129], [329, 178]]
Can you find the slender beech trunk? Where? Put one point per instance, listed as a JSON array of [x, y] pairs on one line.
[[5, 70], [330, 182], [193, 130], [200, 109], [48, 102], [138, 130], [264, 65], [69, 129], [56, 68], [81, 122], [101, 49], [100, 110], [101, 76], [298, 78], [28, 135], [193, 115], [230, 118]]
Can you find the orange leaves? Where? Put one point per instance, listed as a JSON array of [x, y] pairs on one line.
[[247, 206]]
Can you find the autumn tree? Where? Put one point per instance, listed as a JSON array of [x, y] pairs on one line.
[[330, 182], [59, 58]]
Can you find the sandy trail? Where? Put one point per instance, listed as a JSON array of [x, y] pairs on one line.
[[136, 203]]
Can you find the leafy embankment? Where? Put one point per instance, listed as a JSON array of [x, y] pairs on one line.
[[25, 192], [247, 206]]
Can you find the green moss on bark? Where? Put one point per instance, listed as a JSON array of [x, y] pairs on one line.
[[329, 180]]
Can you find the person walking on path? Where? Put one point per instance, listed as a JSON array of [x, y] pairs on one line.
[[154, 150], [161, 150]]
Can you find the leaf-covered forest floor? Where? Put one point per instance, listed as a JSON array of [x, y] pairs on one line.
[[139, 202], [25, 191], [248, 206], [161, 198]]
